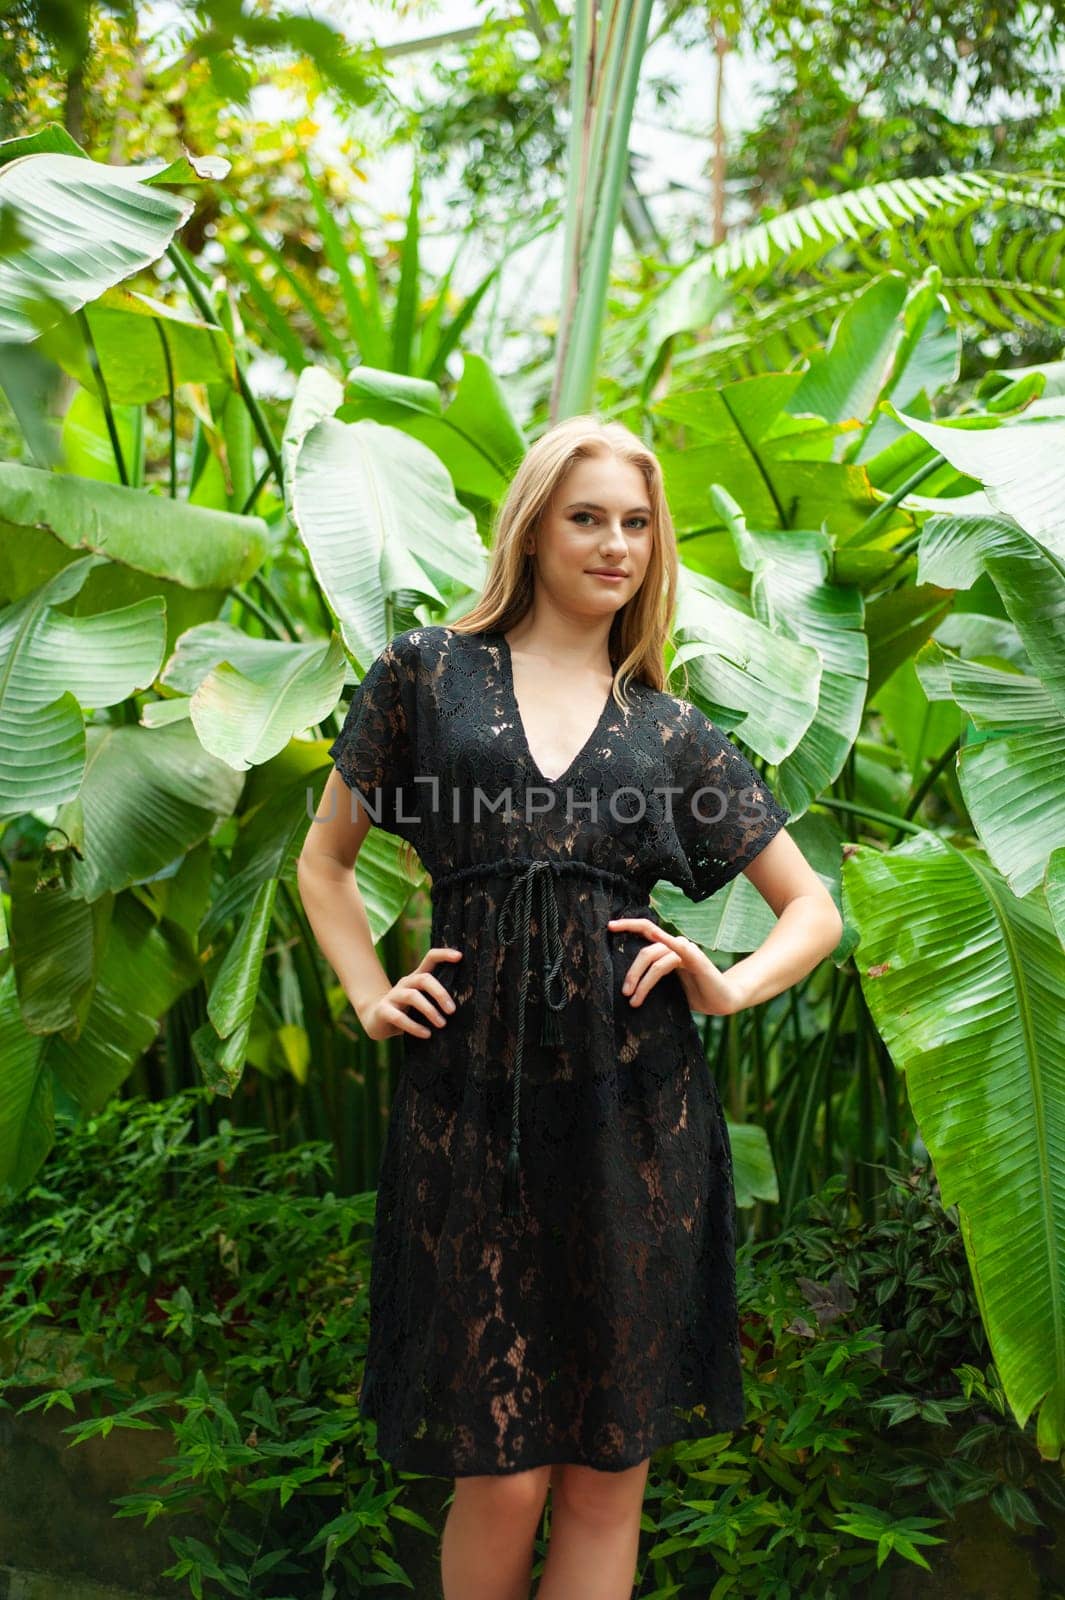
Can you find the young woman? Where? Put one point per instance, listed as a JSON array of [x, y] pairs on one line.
[[552, 1289]]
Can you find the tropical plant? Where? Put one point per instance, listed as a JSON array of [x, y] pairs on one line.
[[422, 333], [868, 591], [607, 56], [770, 296]]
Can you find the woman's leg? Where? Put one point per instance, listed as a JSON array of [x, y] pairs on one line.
[[487, 1544], [595, 1533]]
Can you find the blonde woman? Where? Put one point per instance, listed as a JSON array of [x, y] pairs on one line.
[[552, 1292]]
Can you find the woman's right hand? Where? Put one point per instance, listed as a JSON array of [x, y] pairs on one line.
[[418, 990]]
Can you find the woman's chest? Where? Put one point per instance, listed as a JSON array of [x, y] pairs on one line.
[[476, 747]]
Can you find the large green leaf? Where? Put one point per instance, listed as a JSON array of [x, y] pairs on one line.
[[1030, 583], [791, 593], [318, 394], [1011, 776], [952, 547], [232, 997], [99, 658], [387, 396], [478, 438], [189, 555], [147, 797], [378, 514], [249, 696], [150, 533], [754, 1175], [964, 981], [46, 659], [897, 623], [763, 456], [144, 967], [740, 415], [27, 1098], [758, 684], [56, 945], [843, 381], [1020, 463], [88, 450], [142, 347], [891, 340], [87, 225]]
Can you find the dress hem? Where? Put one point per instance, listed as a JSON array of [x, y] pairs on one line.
[[408, 1457]]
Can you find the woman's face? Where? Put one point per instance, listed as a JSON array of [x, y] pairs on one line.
[[598, 519]]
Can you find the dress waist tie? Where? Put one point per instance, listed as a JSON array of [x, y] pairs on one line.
[[533, 876]]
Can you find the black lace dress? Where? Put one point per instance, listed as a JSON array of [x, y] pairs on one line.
[[553, 1273]]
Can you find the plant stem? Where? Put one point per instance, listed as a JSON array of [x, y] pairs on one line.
[[256, 610], [185, 270], [884, 817]]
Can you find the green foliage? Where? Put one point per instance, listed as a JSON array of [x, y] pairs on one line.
[[217, 1288], [227, 38], [875, 1415], [861, 90]]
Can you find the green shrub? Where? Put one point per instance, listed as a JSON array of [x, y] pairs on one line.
[[874, 1414], [218, 1288]]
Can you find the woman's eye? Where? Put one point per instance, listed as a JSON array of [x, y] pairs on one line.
[[640, 522]]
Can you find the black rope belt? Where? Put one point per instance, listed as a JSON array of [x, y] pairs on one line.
[[533, 875]]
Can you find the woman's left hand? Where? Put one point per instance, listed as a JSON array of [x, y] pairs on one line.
[[709, 990]]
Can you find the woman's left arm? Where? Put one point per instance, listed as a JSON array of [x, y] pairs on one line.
[[808, 928]]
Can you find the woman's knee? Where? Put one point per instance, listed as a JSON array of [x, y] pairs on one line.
[[605, 1498]]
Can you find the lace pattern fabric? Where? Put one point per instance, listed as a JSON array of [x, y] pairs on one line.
[[596, 1320]]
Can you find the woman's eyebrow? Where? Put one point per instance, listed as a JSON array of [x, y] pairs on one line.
[[590, 505]]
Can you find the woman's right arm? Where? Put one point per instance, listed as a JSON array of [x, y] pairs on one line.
[[330, 893]]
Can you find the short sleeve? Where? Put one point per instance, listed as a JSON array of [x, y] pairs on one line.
[[374, 751], [724, 813]]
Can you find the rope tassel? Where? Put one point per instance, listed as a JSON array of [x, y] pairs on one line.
[[511, 1182], [551, 1030]]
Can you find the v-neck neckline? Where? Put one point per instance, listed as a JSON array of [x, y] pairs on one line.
[[523, 738]]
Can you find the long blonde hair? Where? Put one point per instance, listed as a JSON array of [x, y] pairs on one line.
[[640, 629]]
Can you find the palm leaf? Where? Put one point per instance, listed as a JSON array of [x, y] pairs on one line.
[[85, 227], [964, 982]]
